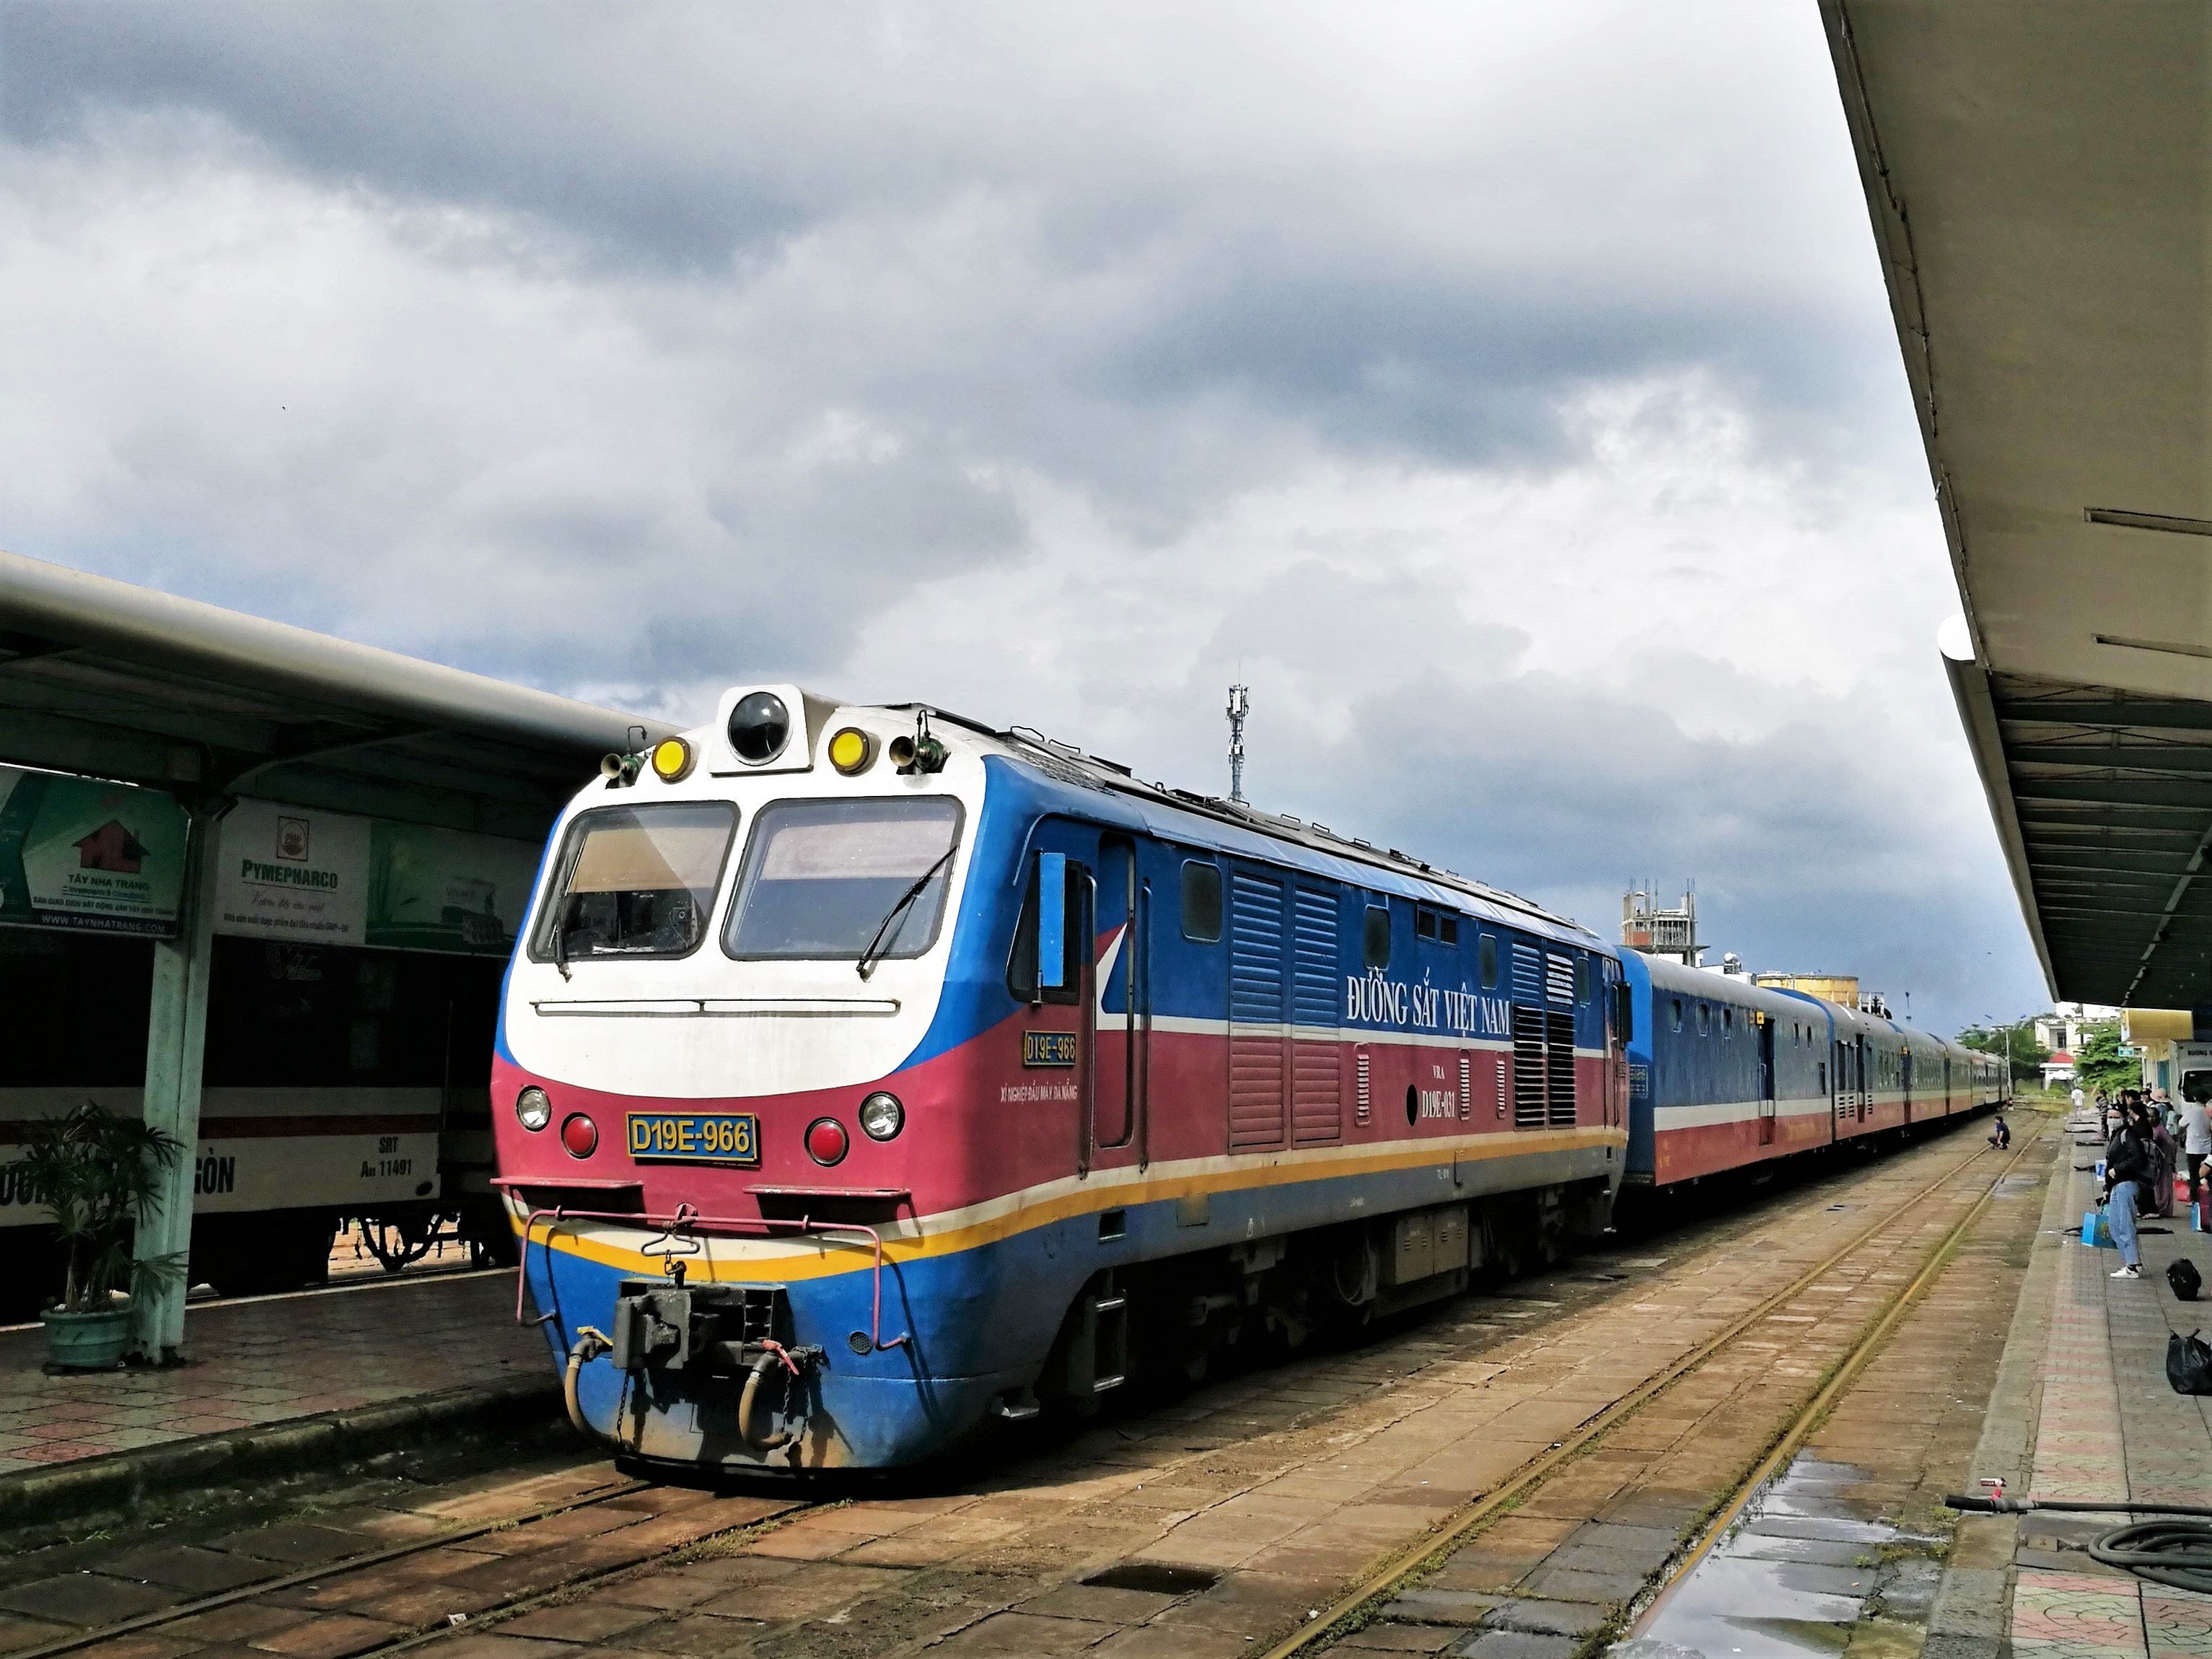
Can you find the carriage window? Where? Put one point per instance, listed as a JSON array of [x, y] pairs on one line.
[[1201, 901], [637, 882], [1486, 959], [1375, 938], [828, 880], [1581, 980], [1435, 924], [1705, 1019], [1728, 1022], [1675, 1016]]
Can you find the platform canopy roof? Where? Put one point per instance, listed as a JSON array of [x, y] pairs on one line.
[[103, 677], [2038, 180]]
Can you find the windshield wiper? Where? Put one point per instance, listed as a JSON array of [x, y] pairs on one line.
[[867, 965]]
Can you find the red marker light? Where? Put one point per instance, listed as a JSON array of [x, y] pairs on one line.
[[580, 1136], [825, 1140]]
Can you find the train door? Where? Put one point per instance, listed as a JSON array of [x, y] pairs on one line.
[[1053, 970], [1766, 1080], [1119, 1012], [1904, 1078], [1619, 1029]]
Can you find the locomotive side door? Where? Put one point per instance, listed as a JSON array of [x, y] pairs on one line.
[[1120, 1014], [1052, 969], [1766, 1080]]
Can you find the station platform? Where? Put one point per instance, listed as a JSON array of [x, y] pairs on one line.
[[441, 1342], [2081, 1409]]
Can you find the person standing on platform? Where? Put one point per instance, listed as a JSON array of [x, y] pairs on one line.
[[2128, 1163], [2196, 1144]]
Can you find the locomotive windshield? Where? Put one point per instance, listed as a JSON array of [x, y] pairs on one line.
[[823, 879], [636, 881]]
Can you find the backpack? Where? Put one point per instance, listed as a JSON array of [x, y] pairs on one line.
[[2182, 1276], [2188, 1363]]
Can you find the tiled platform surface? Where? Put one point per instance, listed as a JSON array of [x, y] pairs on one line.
[[2106, 1425], [266, 1361]]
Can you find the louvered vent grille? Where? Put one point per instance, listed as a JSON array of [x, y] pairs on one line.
[[1528, 1081], [1500, 1097], [1560, 1069], [1257, 1011], [1317, 1066], [1466, 1087], [1559, 980], [1365, 1099], [1528, 976]]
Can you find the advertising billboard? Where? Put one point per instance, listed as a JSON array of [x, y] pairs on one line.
[[82, 854]]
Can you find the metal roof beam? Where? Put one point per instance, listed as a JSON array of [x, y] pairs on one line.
[[2118, 791], [2118, 757]]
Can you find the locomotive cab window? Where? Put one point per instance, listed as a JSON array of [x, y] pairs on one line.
[[1486, 956], [834, 880], [1046, 961], [1705, 1019], [1728, 1022], [1435, 924], [1201, 901], [1674, 1017], [637, 882], [1582, 979], [1375, 938]]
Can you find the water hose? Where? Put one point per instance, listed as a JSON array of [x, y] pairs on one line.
[[591, 1342], [763, 1367], [2171, 1550]]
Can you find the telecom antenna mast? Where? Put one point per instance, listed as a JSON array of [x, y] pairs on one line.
[[1240, 704]]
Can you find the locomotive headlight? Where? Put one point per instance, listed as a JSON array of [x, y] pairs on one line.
[[882, 1117], [851, 751], [534, 1107], [672, 760], [759, 727]]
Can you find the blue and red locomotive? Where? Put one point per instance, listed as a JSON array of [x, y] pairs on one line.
[[863, 1075]]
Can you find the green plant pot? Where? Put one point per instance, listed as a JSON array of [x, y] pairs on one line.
[[86, 1342]]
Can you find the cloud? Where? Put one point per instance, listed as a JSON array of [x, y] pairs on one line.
[[1507, 396]]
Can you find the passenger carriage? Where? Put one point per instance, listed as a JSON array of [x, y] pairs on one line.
[[1727, 1074]]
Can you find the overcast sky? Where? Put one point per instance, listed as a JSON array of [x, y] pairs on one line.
[[1506, 393]]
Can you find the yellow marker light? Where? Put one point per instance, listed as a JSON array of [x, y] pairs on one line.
[[671, 760], [851, 751]]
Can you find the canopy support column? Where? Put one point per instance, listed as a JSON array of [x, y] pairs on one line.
[[176, 1044]]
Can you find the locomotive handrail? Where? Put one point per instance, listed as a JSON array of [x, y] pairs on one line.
[[685, 1218]]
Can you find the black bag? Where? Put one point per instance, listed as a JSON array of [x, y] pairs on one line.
[[2181, 1275], [2188, 1363]]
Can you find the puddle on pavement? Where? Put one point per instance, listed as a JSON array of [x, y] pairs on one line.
[[1789, 1579]]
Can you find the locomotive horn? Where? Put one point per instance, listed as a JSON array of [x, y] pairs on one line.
[[618, 768], [921, 752]]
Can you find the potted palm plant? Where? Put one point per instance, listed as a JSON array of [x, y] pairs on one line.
[[99, 1173]]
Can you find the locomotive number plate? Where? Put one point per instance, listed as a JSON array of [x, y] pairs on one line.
[[694, 1137], [1047, 1048]]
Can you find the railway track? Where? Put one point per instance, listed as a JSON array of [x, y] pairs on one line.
[[325, 1572], [565, 1572], [1378, 1587]]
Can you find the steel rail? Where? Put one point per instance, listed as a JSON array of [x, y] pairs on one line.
[[1474, 1515], [1839, 1378], [310, 1575]]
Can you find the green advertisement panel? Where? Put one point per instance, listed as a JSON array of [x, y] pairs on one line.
[[78, 852], [442, 890]]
